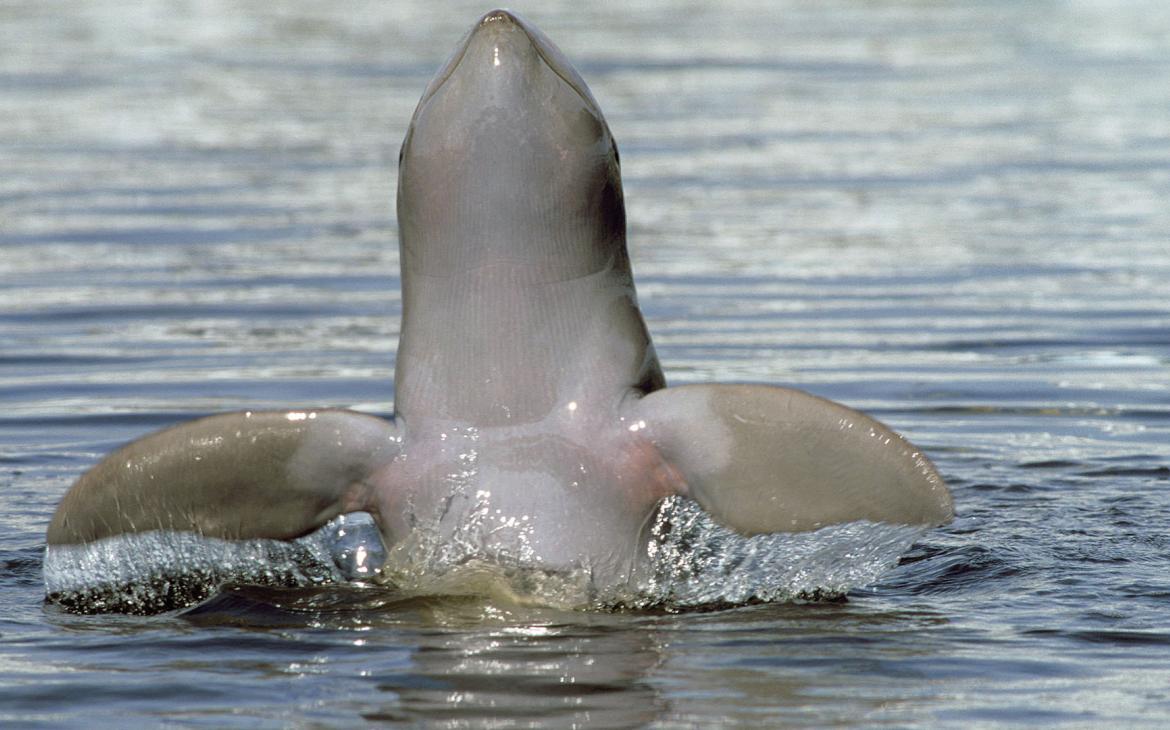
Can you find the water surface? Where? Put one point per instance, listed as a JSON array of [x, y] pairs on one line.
[[951, 216]]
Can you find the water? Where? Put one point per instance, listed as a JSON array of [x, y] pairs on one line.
[[952, 216]]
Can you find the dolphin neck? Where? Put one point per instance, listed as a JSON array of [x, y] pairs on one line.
[[489, 346]]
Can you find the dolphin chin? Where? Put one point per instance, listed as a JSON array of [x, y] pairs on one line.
[[533, 429]]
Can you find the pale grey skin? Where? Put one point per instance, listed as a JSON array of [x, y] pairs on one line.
[[529, 400]]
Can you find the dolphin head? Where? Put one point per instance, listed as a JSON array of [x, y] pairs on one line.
[[509, 163]]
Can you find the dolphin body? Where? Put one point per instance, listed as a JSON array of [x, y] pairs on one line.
[[532, 418]]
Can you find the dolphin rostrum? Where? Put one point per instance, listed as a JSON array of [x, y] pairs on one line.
[[529, 401]]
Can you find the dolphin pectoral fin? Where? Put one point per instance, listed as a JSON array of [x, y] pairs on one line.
[[234, 476], [767, 459]]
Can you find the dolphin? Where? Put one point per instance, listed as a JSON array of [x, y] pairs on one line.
[[531, 414]]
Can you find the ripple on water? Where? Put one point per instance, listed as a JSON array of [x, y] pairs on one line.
[[961, 569]]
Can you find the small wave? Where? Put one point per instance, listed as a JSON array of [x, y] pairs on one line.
[[1112, 638], [938, 570], [20, 567]]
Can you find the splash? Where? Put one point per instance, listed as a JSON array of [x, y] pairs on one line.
[[696, 562], [153, 572], [480, 553], [692, 561]]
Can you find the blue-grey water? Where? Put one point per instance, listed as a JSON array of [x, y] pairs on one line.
[[952, 215]]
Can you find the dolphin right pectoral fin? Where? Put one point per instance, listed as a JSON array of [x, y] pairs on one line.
[[765, 459], [235, 476]]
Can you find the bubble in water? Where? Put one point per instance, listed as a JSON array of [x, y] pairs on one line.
[[355, 544]]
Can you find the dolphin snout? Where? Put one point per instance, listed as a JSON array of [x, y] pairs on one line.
[[503, 46], [501, 38], [500, 15]]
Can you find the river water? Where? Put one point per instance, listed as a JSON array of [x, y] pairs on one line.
[[951, 215]]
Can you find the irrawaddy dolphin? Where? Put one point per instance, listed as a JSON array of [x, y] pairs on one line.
[[528, 396]]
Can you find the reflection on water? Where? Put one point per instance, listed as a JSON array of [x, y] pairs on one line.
[[950, 215], [561, 674]]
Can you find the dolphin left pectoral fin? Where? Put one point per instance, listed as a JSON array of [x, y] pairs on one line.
[[765, 459], [235, 476]]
